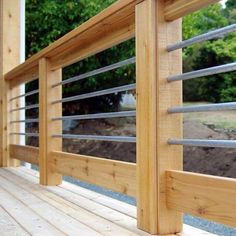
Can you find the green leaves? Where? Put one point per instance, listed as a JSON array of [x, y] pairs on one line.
[[217, 88], [48, 20]]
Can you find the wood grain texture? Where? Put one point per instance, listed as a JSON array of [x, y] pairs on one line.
[[31, 221], [112, 203], [47, 127], [116, 20], [9, 226], [175, 9], [25, 153], [202, 195], [9, 58], [46, 211], [116, 175], [85, 217], [154, 126], [25, 77], [69, 199], [99, 38]]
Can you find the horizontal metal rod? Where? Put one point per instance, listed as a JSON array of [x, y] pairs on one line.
[[25, 108], [204, 72], [204, 143], [97, 71], [201, 108], [98, 116], [124, 139], [26, 134], [25, 121], [25, 94], [97, 93], [204, 37]]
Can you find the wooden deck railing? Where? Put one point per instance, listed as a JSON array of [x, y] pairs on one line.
[[163, 191]]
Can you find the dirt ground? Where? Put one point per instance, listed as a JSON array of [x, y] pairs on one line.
[[215, 161]]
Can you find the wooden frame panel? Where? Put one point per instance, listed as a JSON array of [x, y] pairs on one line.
[[205, 196], [175, 9], [159, 202], [116, 175], [25, 153]]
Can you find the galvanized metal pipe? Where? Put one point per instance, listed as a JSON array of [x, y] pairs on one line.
[[98, 116], [97, 71], [124, 139], [204, 143], [26, 108], [204, 37], [202, 108], [97, 93], [26, 134], [25, 94], [25, 121], [204, 72]]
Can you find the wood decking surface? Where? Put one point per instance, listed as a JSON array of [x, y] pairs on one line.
[[27, 208]]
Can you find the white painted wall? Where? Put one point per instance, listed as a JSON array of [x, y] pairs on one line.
[[22, 59]]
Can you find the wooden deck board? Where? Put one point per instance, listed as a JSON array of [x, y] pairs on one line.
[[9, 226], [26, 208]]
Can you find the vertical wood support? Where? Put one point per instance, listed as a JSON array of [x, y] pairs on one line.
[[47, 127], [154, 125], [10, 58]]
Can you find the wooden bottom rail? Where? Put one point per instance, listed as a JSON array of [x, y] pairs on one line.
[[201, 195], [25, 153], [115, 175]]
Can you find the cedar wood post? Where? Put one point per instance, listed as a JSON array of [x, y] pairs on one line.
[[154, 125], [10, 58], [47, 127]]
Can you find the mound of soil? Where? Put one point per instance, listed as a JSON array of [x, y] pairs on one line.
[[109, 150], [214, 161], [207, 160]]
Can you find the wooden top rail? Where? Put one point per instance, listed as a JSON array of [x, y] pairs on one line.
[[110, 27], [178, 8]]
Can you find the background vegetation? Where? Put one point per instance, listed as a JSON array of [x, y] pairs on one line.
[[47, 20], [217, 88]]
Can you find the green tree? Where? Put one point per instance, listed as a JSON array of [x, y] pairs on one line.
[[48, 20], [231, 5], [210, 53]]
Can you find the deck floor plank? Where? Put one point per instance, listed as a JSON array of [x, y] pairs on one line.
[[122, 220], [99, 224], [24, 216], [27, 208], [9, 226], [45, 210], [112, 203]]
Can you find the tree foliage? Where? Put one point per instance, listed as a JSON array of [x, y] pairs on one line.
[[48, 20], [217, 88]]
